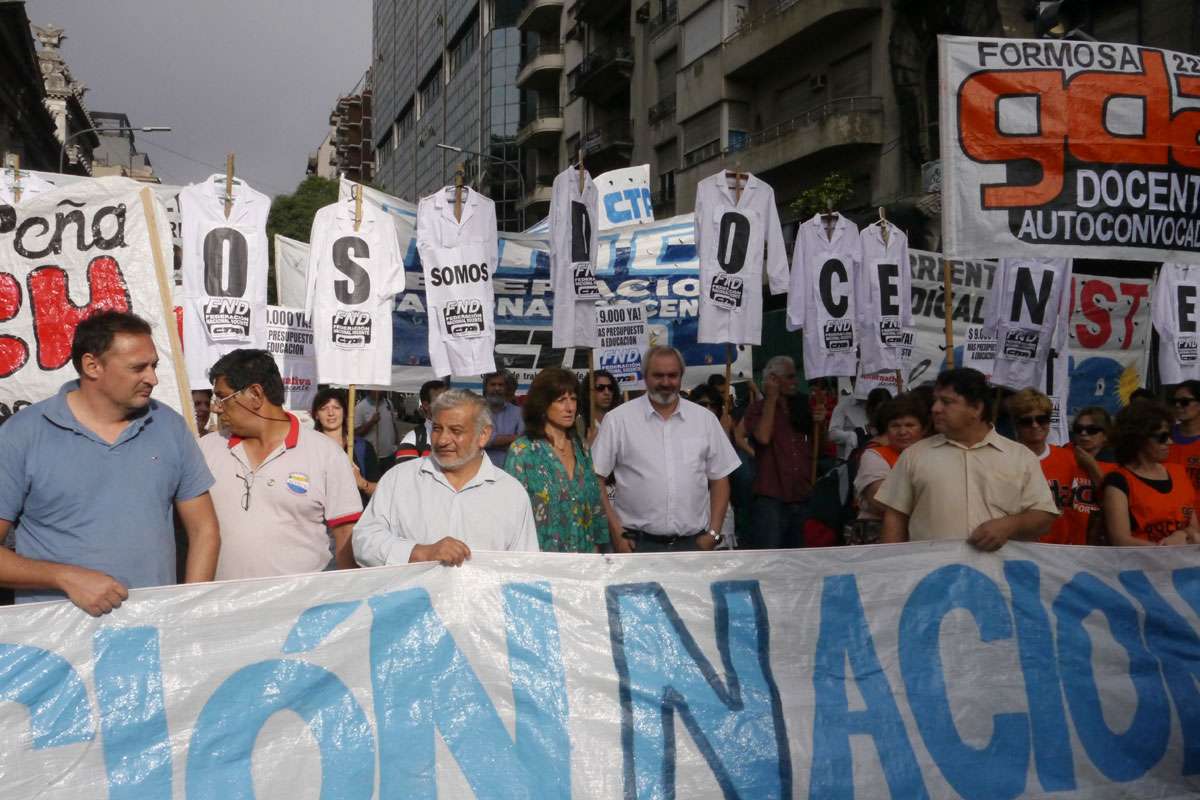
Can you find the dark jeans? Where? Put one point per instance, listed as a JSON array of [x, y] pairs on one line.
[[776, 524], [644, 543]]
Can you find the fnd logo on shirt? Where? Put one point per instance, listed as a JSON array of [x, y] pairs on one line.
[[463, 318], [1021, 343], [351, 329], [297, 482], [227, 319]]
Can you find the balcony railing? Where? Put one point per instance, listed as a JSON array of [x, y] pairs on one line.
[[701, 154], [618, 133], [843, 105], [767, 17], [541, 112], [667, 18], [661, 110], [541, 49], [614, 57]]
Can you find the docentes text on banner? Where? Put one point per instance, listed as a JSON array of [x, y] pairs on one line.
[[920, 670]]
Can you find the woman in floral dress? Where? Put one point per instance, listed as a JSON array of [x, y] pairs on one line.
[[554, 466]]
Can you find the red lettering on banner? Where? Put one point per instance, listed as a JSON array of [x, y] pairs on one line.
[[13, 350], [55, 316], [1185, 126], [1096, 314], [1137, 292], [1089, 94]]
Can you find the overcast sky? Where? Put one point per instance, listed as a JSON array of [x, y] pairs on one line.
[[254, 77]]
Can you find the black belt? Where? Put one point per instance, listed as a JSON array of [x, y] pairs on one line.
[[634, 533]]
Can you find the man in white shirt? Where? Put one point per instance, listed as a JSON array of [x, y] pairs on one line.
[[507, 422], [671, 461], [375, 421], [440, 507], [415, 443]]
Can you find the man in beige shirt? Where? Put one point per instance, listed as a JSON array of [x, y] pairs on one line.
[[966, 482]]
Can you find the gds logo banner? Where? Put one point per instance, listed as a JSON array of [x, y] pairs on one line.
[[1066, 148]]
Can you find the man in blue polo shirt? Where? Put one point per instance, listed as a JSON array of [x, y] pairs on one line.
[[89, 478]]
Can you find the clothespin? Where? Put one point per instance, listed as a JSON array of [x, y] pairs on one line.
[[357, 192], [228, 185], [579, 160], [15, 162], [883, 225], [458, 192]]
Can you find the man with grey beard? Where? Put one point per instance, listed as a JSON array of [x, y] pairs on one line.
[[671, 461], [507, 422], [439, 507]]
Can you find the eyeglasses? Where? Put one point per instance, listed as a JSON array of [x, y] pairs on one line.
[[604, 387], [1028, 422], [1088, 430], [217, 400], [1182, 402], [1162, 438], [247, 482]]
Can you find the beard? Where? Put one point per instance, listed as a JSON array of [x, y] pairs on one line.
[[454, 462], [496, 400], [663, 397]]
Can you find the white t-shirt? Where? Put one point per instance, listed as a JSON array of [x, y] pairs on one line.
[[459, 258], [884, 298], [730, 237], [1175, 307], [224, 270], [383, 436], [821, 300], [574, 239], [353, 277], [1026, 312]]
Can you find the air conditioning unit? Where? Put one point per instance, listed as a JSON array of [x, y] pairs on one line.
[[818, 82]]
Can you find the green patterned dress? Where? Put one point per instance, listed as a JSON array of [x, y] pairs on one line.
[[566, 510]]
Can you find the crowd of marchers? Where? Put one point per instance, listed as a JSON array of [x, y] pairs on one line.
[[104, 488]]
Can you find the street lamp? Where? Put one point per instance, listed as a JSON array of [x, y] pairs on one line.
[[62, 151], [510, 164]]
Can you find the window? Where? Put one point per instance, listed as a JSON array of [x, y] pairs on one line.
[[665, 69], [851, 76], [404, 125], [465, 45], [430, 91]]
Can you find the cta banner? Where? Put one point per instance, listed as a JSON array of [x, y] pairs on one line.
[[654, 264], [64, 254], [924, 670], [1070, 149]]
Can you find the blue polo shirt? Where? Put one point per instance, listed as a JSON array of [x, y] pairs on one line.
[[76, 499]]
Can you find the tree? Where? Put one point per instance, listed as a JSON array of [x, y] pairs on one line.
[[292, 214], [834, 189]]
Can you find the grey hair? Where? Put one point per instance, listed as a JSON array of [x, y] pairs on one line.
[[453, 398], [662, 350], [777, 365]]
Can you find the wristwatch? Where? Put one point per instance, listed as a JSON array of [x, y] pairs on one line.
[[717, 537]]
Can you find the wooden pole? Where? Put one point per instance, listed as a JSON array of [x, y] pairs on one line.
[[228, 185], [948, 291], [350, 425], [725, 402], [458, 184], [579, 162], [16, 168], [358, 192], [168, 309]]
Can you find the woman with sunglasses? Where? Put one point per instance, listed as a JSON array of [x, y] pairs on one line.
[[1185, 435], [1064, 468], [1146, 499], [1089, 433], [607, 394]]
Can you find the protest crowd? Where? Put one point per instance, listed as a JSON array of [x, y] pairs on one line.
[[263, 494]]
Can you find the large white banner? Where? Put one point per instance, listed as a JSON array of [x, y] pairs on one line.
[[1069, 149], [64, 254], [905, 671], [291, 271]]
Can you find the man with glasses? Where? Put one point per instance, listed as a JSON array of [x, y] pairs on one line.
[[283, 490], [89, 479], [1185, 435], [967, 481]]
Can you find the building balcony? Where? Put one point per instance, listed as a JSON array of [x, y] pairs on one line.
[[542, 16], [770, 40], [541, 66], [600, 13], [612, 141], [538, 192], [845, 122], [662, 110], [603, 74], [663, 22], [541, 128]]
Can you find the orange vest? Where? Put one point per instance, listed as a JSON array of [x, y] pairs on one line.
[[1189, 456], [889, 454], [1157, 515], [1062, 473]]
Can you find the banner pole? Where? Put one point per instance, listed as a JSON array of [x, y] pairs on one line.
[[725, 393], [168, 308], [948, 291], [350, 425]]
